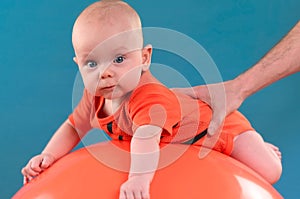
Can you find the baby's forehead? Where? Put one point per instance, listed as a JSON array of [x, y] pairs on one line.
[[120, 43]]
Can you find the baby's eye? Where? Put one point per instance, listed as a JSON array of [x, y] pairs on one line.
[[119, 59], [91, 64]]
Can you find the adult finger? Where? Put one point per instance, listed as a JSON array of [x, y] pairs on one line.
[[213, 133], [216, 123]]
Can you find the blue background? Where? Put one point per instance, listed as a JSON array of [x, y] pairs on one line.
[[37, 71]]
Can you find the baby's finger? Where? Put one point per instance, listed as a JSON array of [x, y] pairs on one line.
[[145, 195], [26, 176], [137, 195], [280, 156], [129, 195], [122, 195], [23, 171], [35, 165], [27, 171], [46, 162], [25, 180]]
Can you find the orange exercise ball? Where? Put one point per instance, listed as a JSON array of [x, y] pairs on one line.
[[98, 171]]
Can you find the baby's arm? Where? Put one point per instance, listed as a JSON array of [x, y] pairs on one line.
[[144, 161], [63, 141]]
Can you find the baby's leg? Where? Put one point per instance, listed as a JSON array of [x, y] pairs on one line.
[[274, 149], [250, 149]]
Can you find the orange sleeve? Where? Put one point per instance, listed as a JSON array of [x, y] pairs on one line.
[[80, 118], [156, 105]]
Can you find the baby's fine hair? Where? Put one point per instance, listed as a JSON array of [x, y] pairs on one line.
[[105, 9]]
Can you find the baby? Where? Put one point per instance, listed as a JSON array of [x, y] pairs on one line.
[[122, 98]]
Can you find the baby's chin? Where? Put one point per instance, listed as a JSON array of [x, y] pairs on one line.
[[109, 96], [114, 94]]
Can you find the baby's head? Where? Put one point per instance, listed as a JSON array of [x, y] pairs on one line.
[[103, 20], [108, 44]]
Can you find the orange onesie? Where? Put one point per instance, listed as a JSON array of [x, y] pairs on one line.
[[181, 117]]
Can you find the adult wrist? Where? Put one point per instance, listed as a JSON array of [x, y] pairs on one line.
[[242, 87]]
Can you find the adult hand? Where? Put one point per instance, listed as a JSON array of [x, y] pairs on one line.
[[36, 165], [223, 98]]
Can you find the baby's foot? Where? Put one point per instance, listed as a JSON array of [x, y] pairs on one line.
[[274, 149]]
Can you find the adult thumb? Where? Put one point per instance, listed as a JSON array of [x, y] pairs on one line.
[[216, 123]]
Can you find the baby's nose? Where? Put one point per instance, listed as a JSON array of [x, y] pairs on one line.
[[106, 73]]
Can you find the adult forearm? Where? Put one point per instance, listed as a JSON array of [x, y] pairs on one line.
[[63, 141], [281, 61]]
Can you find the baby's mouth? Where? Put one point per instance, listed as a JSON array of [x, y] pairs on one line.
[[108, 87]]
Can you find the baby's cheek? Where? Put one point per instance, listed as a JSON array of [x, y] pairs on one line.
[[131, 78], [90, 80]]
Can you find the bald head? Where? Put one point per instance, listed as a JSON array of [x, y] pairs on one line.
[[104, 14], [107, 10]]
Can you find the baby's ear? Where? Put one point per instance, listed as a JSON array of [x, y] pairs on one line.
[[146, 56], [75, 60]]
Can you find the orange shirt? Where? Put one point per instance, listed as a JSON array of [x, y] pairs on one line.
[[180, 116]]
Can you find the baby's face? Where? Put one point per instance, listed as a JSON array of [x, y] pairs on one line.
[[110, 58]]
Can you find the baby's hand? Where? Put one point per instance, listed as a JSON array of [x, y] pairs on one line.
[[136, 187], [36, 165]]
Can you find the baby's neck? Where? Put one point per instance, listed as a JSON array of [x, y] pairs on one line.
[[110, 107]]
